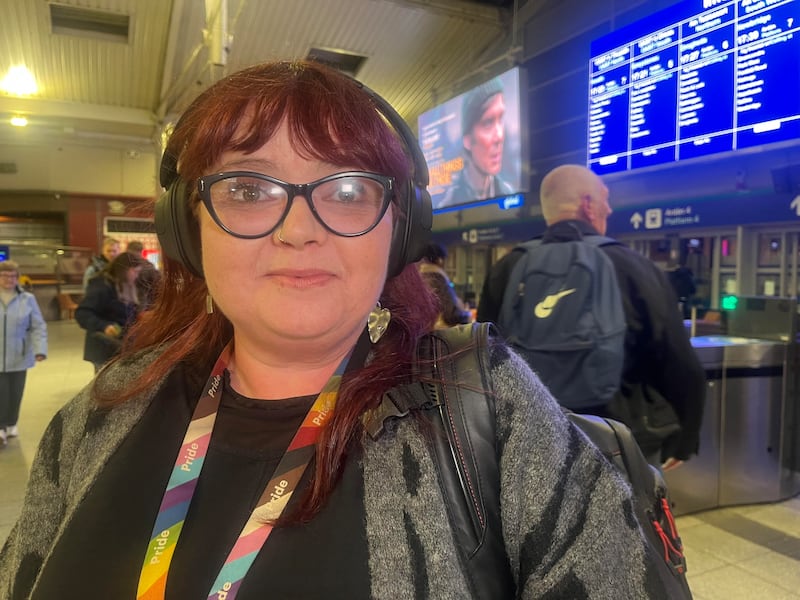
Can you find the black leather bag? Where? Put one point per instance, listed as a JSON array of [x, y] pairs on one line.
[[461, 415], [650, 497]]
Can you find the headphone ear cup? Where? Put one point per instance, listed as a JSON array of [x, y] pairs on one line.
[[423, 223], [177, 228], [412, 230]]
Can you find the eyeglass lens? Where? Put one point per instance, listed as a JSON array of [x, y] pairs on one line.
[[249, 205]]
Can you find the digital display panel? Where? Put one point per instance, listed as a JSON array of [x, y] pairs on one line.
[[473, 143], [698, 78]]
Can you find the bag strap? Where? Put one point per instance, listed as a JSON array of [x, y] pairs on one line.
[[452, 393], [518, 272], [601, 240]]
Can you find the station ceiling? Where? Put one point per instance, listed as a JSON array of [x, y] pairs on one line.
[[112, 72]]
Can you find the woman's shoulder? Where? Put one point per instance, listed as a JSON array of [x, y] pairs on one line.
[[123, 372], [84, 412], [513, 378], [25, 295]]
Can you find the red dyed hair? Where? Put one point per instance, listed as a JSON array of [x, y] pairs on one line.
[[330, 118]]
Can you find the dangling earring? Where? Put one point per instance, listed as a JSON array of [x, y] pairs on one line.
[[377, 322], [209, 305]]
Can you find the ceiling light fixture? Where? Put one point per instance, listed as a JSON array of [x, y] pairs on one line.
[[19, 121], [19, 81]]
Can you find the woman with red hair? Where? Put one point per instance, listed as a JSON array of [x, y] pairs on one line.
[[224, 453]]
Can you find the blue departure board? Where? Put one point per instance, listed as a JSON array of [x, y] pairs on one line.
[[701, 77]]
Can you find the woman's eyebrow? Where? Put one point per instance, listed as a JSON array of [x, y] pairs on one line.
[[245, 163]]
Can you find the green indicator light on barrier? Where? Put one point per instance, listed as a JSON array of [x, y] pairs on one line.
[[729, 302]]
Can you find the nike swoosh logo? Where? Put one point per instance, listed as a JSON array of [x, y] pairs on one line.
[[546, 306]]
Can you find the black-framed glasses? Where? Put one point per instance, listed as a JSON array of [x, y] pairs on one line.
[[251, 205]]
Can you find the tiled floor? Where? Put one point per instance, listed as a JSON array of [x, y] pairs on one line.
[[746, 552]]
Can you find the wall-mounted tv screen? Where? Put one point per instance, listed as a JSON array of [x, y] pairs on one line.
[[698, 78], [474, 145]]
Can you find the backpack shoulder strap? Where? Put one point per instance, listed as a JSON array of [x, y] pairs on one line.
[[529, 245], [452, 393], [601, 240], [467, 454]]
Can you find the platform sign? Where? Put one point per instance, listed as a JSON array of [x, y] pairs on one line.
[[744, 209], [510, 232]]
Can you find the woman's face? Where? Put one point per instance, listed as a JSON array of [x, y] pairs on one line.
[[312, 286], [8, 280], [133, 274]]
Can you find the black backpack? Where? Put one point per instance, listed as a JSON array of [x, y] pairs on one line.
[[562, 312], [460, 410]]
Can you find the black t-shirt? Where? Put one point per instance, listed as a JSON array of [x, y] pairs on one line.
[[100, 554]]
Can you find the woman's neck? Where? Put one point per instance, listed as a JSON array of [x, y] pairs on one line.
[[273, 377], [7, 295]]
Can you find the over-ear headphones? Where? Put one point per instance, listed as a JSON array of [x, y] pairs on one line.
[[179, 232]]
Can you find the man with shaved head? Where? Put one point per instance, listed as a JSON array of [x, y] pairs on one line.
[[573, 192], [659, 359]]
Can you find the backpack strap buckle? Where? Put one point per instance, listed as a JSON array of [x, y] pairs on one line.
[[394, 405]]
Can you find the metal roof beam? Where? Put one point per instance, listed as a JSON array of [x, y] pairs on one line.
[[459, 9]]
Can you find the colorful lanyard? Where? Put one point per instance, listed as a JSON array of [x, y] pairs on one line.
[[189, 463]]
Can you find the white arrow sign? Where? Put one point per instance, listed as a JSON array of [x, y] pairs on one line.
[[796, 205], [636, 220]]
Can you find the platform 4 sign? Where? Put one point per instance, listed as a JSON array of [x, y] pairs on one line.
[[744, 209]]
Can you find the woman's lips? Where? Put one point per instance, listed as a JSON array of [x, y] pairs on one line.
[[300, 278]]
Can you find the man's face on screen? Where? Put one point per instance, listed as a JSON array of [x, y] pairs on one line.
[[485, 140]]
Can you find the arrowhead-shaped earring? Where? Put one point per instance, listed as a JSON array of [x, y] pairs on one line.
[[377, 322]]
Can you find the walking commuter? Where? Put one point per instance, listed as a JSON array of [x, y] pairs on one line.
[[24, 339], [108, 252], [451, 308], [109, 307], [135, 247], [661, 371], [148, 279]]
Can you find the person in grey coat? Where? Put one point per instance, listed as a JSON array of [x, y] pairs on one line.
[[225, 454], [24, 343]]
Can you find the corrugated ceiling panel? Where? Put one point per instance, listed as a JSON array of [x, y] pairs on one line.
[[416, 53], [86, 70], [409, 50]]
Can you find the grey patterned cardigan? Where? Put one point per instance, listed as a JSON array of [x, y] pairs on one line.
[[567, 523]]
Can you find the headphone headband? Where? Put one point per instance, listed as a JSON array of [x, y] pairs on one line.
[[179, 232]]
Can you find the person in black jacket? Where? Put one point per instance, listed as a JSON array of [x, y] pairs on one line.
[[111, 304], [659, 359]]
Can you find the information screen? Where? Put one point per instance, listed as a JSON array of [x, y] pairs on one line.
[[475, 144], [701, 77]]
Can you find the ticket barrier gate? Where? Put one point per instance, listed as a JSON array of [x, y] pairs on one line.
[[749, 442]]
